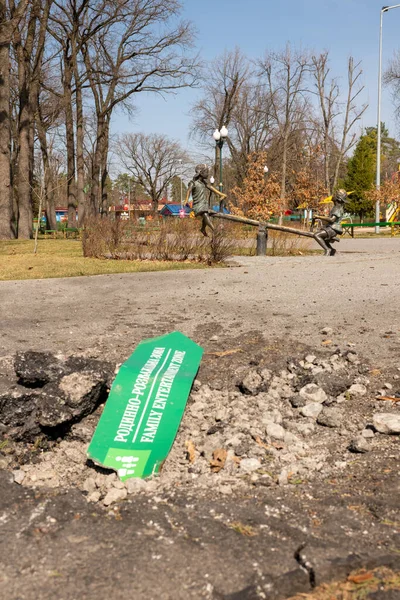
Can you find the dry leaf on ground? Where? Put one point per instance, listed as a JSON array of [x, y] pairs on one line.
[[360, 577], [384, 398], [218, 460], [191, 451]]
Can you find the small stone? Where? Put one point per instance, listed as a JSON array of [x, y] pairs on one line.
[[388, 386], [251, 383], [326, 331], [311, 410], [275, 431], [94, 496], [310, 358], [115, 495], [135, 485], [357, 389], [119, 484], [388, 423], [196, 385], [330, 417], [313, 393], [367, 433], [297, 401], [110, 480], [248, 465], [19, 476], [265, 480], [214, 338], [359, 445], [225, 489], [266, 375], [305, 428], [283, 477], [273, 416], [89, 485], [352, 357]]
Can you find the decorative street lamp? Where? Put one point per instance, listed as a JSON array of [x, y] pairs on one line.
[[212, 180], [378, 145], [180, 176], [220, 136], [265, 170]]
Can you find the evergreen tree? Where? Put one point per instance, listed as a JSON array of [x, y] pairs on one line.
[[360, 177]]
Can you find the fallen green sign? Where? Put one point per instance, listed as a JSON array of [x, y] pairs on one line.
[[145, 406]]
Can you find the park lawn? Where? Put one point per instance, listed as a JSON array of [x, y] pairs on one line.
[[63, 258]]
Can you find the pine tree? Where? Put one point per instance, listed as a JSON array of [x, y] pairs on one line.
[[360, 177]]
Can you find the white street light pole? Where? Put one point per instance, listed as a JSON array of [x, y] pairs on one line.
[[180, 176], [378, 145]]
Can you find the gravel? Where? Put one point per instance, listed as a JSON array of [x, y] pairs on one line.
[[254, 431]]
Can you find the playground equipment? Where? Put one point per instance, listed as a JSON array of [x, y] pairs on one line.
[[393, 212]]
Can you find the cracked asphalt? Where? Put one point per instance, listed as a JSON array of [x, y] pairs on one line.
[[186, 546]]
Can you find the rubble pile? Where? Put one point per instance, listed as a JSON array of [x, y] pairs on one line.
[[306, 421]]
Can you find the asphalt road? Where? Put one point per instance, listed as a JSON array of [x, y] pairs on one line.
[[182, 546], [356, 293]]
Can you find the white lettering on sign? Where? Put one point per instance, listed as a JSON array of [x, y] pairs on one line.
[[161, 398], [127, 422]]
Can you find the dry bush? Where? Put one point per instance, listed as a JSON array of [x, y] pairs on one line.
[[286, 244], [170, 239], [222, 244], [101, 236]]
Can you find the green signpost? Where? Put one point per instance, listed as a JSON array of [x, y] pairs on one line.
[[145, 406]]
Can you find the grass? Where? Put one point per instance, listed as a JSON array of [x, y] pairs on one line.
[[64, 258]]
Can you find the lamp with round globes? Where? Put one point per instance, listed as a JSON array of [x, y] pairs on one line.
[[220, 136]]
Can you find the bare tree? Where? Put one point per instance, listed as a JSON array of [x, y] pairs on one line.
[[144, 50], [285, 78], [153, 160], [29, 42], [226, 76], [336, 138], [352, 114], [392, 78], [11, 14], [328, 94]]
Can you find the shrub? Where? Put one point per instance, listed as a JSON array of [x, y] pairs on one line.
[[171, 239]]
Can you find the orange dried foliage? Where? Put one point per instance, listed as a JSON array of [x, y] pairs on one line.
[[308, 190], [259, 195]]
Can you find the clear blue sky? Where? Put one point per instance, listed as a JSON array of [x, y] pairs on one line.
[[344, 27]]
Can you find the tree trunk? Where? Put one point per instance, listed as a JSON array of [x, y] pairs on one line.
[[80, 162], [284, 171], [24, 173], [98, 157], [70, 142], [48, 178], [5, 143], [104, 170]]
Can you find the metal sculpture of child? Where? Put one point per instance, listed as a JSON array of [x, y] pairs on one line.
[[329, 232], [201, 192]]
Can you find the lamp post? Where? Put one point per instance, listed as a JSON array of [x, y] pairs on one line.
[[378, 144], [220, 136], [262, 233], [180, 176]]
